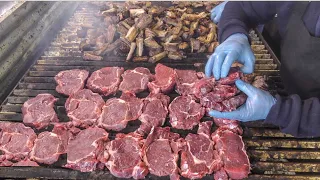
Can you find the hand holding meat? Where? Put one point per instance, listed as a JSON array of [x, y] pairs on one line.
[[257, 106], [217, 11], [234, 48]]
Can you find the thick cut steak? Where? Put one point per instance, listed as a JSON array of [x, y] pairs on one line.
[[160, 152], [125, 156], [84, 108], [85, 148], [164, 80], [203, 87], [16, 140], [154, 112], [39, 111], [105, 81], [185, 81], [233, 75], [71, 81], [47, 148], [185, 112], [199, 157], [117, 112], [232, 152], [136, 80]]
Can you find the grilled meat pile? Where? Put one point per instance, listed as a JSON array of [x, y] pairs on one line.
[[147, 32]]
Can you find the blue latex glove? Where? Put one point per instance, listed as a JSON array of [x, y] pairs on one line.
[[235, 48], [217, 11], [257, 106]]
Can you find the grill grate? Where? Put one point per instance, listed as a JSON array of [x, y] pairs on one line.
[[273, 155]]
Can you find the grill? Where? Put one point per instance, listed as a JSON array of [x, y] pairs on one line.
[[273, 155]]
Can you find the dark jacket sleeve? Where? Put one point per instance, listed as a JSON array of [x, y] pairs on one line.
[[239, 17], [301, 118]]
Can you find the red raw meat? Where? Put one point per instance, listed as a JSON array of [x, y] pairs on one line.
[[39, 111], [164, 80], [118, 111], [233, 75], [5, 162], [47, 148], [106, 80], [185, 113], [221, 175], [16, 140], [25, 162], [185, 80], [160, 152], [232, 151], [234, 102], [85, 149], [203, 87], [71, 81], [199, 158], [125, 158], [154, 112], [136, 80], [84, 108]]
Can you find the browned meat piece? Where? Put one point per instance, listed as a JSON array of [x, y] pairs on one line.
[[153, 52], [135, 80], [195, 45], [16, 140], [125, 159], [90, 56], [110, 33], [178, 55], [86, 149], [143, 21], [185, 113], [106, 80], [259, 82], [70, 81], [158, 57], [38, 112]]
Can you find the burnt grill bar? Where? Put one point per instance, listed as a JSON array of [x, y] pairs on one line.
[[273, 155]]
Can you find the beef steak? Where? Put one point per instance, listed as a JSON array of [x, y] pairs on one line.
[[84, 149], [70, 81], [160, 152], [125, 160], [185, 112], [38, 112], [47, 148], [200, 158], [185, 81], [154, 112], [84, 107], [105, 81], [25, 162], [233, 75], [136, 80], [232, 152], [164, 80], [118, 111], [16, 140]]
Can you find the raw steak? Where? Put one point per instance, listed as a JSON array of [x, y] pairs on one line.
[[47, 148], [221, 175], [185, 113], [203, 87], [38, 112], [199, 158], [71, 81], [25, 162], [136, 80], [185, 80], [233, 75], [154, 112], [16, 140], [105, 81], [164, 80], [84, 108], [125, 158], [232, 152], [85, 149], [160, 152], [118, 111]]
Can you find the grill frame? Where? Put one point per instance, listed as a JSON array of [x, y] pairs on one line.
[[273, 155]]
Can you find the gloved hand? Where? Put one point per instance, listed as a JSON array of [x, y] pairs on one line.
[[235, 48], [217, 11], [257, 106]]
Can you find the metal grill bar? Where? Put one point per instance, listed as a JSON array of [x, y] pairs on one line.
[[273, 155]]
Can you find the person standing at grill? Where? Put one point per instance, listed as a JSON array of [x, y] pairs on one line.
[[299, 27]]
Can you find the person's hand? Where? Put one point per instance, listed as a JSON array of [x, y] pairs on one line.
[[217, 11], [235, 48], [257, 106]]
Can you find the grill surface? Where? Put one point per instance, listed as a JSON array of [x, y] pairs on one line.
[[273, 155]]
